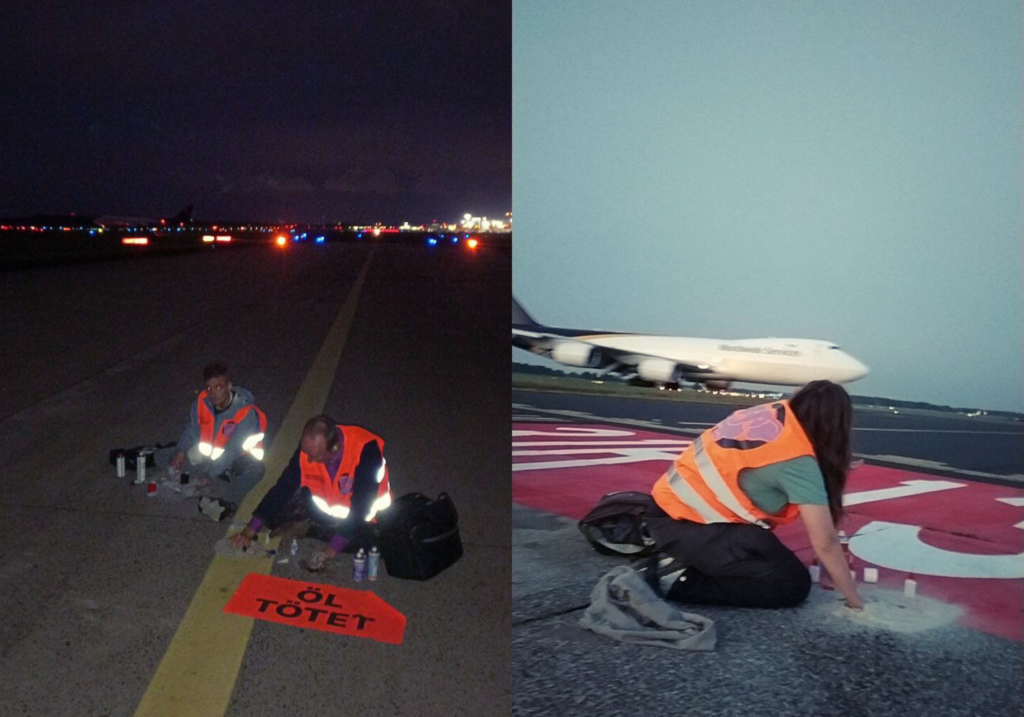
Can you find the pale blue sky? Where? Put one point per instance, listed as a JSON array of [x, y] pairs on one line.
[[834, 170]]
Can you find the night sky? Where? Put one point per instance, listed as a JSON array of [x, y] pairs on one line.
[[298, 111]]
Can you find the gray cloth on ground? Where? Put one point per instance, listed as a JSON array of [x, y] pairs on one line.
[[625, 608]]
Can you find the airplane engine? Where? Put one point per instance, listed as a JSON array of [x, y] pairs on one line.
[[576, 353], [658, 370], [718, 385]]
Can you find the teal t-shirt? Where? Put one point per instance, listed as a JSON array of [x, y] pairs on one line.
[[798, 481]]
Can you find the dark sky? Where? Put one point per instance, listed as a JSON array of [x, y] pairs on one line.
[[309, 110]]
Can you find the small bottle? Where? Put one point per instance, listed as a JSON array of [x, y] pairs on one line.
[[373, 564], [293, 549], [120, 465], [844, 543], [140, 469], [359, 566], [910, 586], [815, 571]]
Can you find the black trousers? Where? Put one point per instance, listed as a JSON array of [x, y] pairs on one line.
[[729, 563]]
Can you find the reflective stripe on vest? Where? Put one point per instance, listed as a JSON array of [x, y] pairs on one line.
[[713, 479], [335, 511]]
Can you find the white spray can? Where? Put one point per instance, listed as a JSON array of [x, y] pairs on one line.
[[120, 465], [373, 564]]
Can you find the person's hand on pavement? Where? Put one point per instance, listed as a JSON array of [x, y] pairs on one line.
[[242, 540]]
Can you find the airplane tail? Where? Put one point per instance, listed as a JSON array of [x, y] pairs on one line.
[[182, 217], [519, 315]]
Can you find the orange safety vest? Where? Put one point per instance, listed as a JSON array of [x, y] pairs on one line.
[[333, 496], [212, 446], [703, 484]]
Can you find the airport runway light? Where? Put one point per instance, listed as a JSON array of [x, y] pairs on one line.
[[208, 238], [320, 240], [282, 241], [472, 243], [223, 238], [138, 241]]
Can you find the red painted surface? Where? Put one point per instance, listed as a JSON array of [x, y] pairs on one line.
[[964, 520]]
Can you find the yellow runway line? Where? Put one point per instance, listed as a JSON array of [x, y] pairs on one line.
[[197, 673]]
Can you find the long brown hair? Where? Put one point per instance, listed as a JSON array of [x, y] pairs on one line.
[[825, 413]]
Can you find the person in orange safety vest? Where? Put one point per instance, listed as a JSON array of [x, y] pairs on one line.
[[222, 441], [337, 479], [762, 467]]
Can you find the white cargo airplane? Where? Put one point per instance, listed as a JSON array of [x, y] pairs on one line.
[[715, 363]]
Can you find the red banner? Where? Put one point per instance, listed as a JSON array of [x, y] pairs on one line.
[[317, 607]]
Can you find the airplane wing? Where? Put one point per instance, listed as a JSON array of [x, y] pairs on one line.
[[578, 350]]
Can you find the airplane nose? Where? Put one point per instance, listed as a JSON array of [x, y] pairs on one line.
[[853, 369]]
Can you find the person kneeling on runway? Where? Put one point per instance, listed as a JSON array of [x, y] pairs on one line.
[[335, 485], [716, 506]]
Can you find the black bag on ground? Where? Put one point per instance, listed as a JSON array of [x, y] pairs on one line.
[[615, 526], [419, 537]]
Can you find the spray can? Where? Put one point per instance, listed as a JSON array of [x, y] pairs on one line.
[[120, 465], [373, 564], [293, 549], [359, 566], [140, 469]]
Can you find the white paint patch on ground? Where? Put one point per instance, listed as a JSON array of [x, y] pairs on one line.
[[883, 610]]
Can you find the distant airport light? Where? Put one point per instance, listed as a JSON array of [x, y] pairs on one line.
[[472, 243], [223, 238], [135, 240], [282, 240], [208, 238], [320, 240]]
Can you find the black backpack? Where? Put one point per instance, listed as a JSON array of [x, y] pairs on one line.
[[419, 537], [615, 526]]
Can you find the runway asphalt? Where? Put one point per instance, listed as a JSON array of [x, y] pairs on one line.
[[97, 578], [956, 650]]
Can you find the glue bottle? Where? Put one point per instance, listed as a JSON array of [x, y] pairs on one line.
[[359, 566], [844, 543], [910, 586], [373, 564]]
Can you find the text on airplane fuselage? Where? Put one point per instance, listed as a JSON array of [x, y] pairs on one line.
[[760, 350]]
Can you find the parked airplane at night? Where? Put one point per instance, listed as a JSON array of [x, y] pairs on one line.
[[670, 359], [180, 219]]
